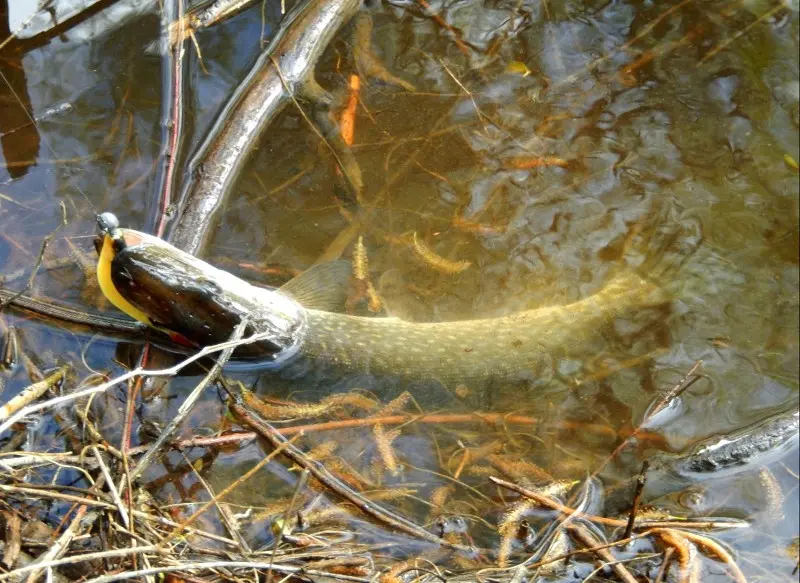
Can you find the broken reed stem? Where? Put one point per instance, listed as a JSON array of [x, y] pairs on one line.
[[640, 482], [335, 485], [32, 392]]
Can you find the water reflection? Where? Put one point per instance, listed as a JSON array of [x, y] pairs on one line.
[[535, 179]]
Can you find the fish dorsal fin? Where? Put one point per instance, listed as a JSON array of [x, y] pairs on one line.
[[321, 287]]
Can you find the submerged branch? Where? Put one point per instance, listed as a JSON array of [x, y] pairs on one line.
[[335, 485], [255, 103]]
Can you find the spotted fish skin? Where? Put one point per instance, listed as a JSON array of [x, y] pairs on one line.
[[521, 346], [187, 297]]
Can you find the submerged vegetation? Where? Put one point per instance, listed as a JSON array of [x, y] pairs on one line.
[[563, 346]]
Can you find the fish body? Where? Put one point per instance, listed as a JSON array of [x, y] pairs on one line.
[[201, 305], [522, 346]]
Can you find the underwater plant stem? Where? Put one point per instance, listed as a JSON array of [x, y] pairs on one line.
[[587, 539], [640, 482], [189, 402], [335, 485], [173, 76], [296, 49]]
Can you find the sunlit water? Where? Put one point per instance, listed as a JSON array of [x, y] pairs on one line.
[[642, 110]]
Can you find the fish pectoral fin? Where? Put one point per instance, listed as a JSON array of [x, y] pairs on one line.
[[321, 287]]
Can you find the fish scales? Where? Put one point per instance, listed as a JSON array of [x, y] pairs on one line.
[[198, 304], [519, 345]]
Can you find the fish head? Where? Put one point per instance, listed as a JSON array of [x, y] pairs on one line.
[[191, 301]]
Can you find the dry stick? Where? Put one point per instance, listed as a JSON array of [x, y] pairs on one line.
[[335, 485], [190, 401], [38, 263], [111, 487], [431, 418], [553, 505], [640, 482], [34, 492], [40, 493], [32, 392], [59, 547], [586, 538], [255, 103]]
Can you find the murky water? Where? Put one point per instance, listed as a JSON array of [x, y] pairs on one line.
[[539, 136]]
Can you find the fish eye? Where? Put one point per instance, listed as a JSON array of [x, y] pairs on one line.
[[107, 222]]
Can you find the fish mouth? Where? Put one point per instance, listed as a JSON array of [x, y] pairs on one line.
[[191, 301]]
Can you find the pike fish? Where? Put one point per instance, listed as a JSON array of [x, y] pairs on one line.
[[197, 304]]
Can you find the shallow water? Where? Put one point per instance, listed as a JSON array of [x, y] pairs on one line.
[[538, 137]]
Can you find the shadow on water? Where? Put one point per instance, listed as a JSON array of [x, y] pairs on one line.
[[524, 171]]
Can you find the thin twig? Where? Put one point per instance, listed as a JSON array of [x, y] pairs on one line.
[[169, 371], [301, 482], [111, 487], [80, 558], [190, 401], [640, 482]]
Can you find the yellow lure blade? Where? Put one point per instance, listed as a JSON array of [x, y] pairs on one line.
[[107, 285]]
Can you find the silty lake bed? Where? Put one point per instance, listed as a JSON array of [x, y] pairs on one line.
[[514, 156]]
